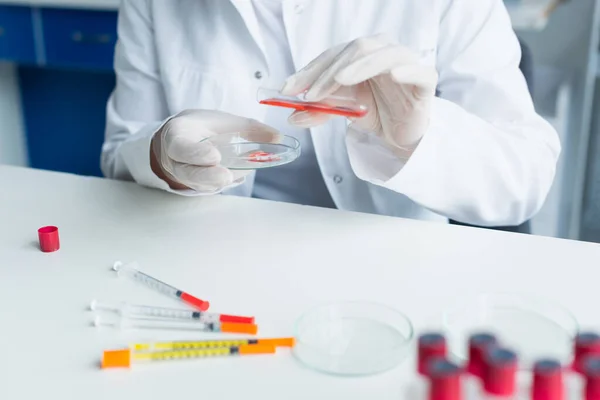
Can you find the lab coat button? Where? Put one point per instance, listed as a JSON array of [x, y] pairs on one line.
[[258, 75], [299, 8], [338, 179]]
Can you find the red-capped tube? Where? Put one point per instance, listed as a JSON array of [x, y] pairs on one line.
[[586, 343], [548, 381], [430, 346], [236, 319], [591, 371], [479, 344], [194, 301], [48, 237], [500, 377], [444, 380]]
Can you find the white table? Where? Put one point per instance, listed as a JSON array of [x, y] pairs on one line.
[[246, 256]]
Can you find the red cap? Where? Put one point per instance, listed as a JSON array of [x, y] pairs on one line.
[[444, 380], [548, 381], [48, 236], [431, 346], [500, 372], [586, 344], [479, 344], [591, 370]]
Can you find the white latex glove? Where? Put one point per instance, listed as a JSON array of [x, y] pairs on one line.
[[384, 77], [188, 163]]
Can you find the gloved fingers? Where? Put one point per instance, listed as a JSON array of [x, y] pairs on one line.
[[204, 123], [303, 79], [326, 84], [424, 78], [375, 63], [307, 119], [258, 132], [191, 150], [202, 179]]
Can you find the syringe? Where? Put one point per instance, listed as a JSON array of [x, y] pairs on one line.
[[153, 283], [124, 358], [134, 310], [208, 344], [153, 323]]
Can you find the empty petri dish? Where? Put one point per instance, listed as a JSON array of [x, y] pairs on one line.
[[254, 150], [353, 338], [534, 328]]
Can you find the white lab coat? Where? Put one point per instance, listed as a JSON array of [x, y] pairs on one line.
[[487, 157]]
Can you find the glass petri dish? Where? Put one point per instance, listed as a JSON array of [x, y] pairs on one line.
[[353, 338], [254, 150], [532, 327]]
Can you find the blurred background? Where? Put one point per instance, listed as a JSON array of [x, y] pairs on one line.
[[56, 75]]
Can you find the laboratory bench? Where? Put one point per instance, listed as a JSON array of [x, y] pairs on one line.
[[271, 260]]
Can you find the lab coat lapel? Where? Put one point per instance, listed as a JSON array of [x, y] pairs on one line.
[[246, 11]]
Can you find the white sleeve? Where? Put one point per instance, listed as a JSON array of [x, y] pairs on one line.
[[137, 107], [487, 158]]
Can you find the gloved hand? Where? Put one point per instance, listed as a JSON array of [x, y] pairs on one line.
[[183, 161], [384, 77]]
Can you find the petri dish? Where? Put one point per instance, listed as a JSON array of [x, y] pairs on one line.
[[532, 327], [254, 150], [353, 338]]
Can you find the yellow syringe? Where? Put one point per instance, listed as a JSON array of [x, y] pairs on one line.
[[125, 357], [208, 344]]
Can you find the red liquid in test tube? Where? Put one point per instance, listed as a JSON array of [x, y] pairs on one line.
[[315, 107]]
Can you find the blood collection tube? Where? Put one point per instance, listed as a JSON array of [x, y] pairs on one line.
[[445, 380], [147, 323], [586, 343], [591, 371], [500, 376], [430, 346], [135, 310], [548, 381], [130, 271], [208, 344], [125, 357], [479, 344]]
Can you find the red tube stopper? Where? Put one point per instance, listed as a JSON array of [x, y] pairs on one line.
[[444, 380], [479, 344], [591, 371], [500, 376], [48, 237], [431, 346], [548, 383], [586, 343]]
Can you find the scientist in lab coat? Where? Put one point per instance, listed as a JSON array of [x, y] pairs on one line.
[[189, 69]]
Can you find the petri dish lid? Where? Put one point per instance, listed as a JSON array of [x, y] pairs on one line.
[[353, 338], [252, 150], [534, 328]]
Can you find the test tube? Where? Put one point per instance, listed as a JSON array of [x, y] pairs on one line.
[[134, 310], [130, 271], [479, 344], [500, 377], [445, 380], [152, 323], [208, 344], [586, 344], [125, 357], [591, 370], [548, 382], [431, 346]]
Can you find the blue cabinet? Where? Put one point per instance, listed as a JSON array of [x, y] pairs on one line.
[[78, 38], [16, 35]]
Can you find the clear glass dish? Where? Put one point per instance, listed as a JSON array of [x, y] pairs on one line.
[[353, 338], [532, 327], [252, 150]]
